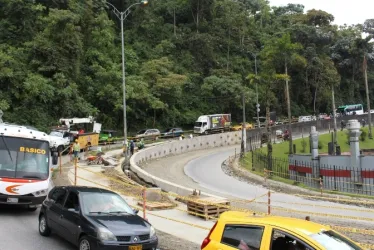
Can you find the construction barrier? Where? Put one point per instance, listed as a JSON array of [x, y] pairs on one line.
[[268, 202], [141, 195]]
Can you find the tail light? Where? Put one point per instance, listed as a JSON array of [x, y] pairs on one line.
[[207, 239]]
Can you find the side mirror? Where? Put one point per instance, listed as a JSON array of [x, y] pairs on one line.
[[136, 211], [54, 158]]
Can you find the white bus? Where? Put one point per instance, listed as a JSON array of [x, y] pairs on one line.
[[25, 166], [354, 109]]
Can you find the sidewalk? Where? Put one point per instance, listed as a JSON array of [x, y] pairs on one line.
[[172, 221]]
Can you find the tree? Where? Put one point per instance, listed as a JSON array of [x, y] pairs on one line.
[[283, 51]]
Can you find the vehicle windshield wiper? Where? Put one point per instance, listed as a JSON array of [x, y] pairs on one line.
[[120, 212], [99, 212], [6, 145], [31, 177]]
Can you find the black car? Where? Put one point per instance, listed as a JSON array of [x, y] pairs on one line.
[[95, 219]]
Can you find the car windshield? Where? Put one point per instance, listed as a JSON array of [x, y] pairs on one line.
[[332, 241], [56, 133], [104, 203], [24, 158], [198, 124], [141, 132]]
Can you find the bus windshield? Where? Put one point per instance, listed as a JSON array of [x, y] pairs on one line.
[[24, 158]]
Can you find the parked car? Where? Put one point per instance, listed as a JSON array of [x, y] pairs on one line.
[[173, 132], [153, 134], [240, 230], [240, 126], [94, 218]]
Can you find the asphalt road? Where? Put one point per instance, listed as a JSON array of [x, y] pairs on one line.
[[207, 172], [19, 231]]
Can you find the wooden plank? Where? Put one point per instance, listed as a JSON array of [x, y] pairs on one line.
[[157, 205]]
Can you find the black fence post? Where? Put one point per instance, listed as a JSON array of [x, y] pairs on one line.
[[335, 187]]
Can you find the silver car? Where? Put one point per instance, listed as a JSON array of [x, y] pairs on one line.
[[153, 134]]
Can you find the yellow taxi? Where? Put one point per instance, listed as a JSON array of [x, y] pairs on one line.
[[240, 126], [244, 231]]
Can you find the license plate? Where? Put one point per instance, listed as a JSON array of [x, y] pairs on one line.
[[12, 200], [135, 247]]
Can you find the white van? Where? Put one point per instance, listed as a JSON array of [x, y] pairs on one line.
[[305, 118]]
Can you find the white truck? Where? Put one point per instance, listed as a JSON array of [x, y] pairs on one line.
[[26, 162], [207, 124], [59, 140]]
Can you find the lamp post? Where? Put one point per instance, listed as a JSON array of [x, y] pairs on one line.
[[122, 17]]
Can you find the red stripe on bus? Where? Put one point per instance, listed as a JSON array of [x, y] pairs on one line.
[[18, 180]]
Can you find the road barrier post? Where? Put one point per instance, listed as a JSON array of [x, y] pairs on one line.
[[321, 185], [75, 171], [269, 203], [144, 203]]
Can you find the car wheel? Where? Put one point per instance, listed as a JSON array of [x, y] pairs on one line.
[[44, 229], [85, 244]]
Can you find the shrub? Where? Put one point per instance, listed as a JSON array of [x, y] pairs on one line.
[[320, 145], [303, 145], [364, 135]]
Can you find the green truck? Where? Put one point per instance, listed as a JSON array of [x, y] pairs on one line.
[[107, 136]]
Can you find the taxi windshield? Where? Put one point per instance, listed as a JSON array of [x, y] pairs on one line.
[[24, 158], [332, 241]]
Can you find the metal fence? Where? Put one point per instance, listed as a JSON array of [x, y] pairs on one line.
[[315, 175]]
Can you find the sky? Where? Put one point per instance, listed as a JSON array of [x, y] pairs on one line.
[[345, 12]]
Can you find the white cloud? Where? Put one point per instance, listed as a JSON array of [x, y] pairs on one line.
[[349, 12]]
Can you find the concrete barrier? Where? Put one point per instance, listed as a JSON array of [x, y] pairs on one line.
[[175, 148]]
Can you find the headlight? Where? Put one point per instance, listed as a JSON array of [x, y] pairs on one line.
[[105, 235], [39, 193], [153, 232]]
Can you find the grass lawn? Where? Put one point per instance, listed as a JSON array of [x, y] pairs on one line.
[[281, 150]]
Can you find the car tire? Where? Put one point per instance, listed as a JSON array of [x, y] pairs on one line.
[[85, 244], [44, 229]]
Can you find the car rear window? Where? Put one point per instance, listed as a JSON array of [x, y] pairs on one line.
[[243, 237]]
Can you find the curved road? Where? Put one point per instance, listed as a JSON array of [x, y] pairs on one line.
[[207, 171]]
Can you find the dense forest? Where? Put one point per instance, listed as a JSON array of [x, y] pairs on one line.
[[184, 58]]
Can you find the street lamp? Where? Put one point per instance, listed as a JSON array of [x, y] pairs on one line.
[[122, 17]]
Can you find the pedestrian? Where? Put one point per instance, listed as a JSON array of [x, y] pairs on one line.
[[76, 149], [363, 122], [132, 147], [191, 136]]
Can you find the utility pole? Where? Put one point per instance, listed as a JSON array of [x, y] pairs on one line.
[[367, 95], [334, 115], [242, 149], [288, 111], [257, 105]]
